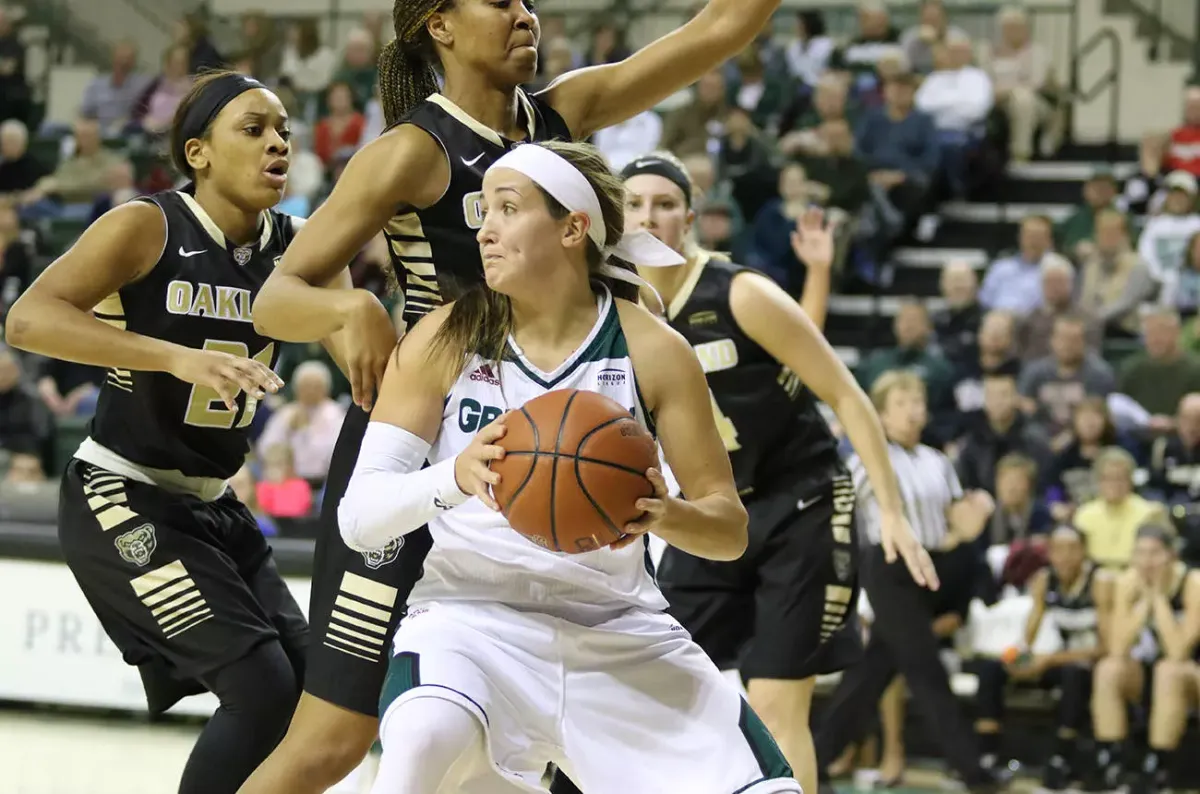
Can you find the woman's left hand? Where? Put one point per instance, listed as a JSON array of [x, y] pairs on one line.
[[812, 240], [897, 539], [657, 511]]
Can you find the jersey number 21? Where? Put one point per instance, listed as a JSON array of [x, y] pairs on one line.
[[206, 408]]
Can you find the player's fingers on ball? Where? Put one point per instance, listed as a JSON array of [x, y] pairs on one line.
[[493, 452], [652, 506]]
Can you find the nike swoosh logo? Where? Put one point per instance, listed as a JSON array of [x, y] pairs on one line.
[[802, 504], [471, 162], [187, 254]]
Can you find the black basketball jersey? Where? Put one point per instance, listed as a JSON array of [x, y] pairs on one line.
[[434, 251], [1074, 609], [198, 295], [768, 419]]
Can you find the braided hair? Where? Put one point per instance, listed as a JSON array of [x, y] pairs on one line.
[[407, 63]]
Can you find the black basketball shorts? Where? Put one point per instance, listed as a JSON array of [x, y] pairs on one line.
[[357, 599], [182, 586], [787, 609]]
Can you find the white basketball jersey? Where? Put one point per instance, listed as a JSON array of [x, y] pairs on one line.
[[476, 555]]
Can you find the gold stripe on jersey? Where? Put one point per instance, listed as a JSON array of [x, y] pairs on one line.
[[106, 499], [112, 312], [172, 597], [361, 615], [412, 255]]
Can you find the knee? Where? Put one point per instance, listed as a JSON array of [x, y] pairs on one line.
[[1170, 675], [1109, 672], [261, 685], [782, 705], [327, 754]]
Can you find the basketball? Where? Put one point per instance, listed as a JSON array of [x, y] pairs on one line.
[[574, 465]]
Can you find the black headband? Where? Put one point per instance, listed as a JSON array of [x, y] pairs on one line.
[[660, 167], [216, 95]]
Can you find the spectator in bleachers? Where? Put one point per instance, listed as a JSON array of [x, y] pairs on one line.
[[957, 325], [1019, 513], [281, 493], [758, 91], [69, 389], [24, 422], [1175, 458], [1111, 520], [19, 170], [1071, 476], [556, 57], [122, 187], [1058, 299], [932, 28], [837, 175], [1014, 283], [78, 181], [744, 162], [1115, 279], [996, 352], [1054, 385], [957, 95], [914, 353], [554, 32], [259, 46], [341, 129], [1164, 373], [16, 258], [166, 92], [772, 250], [1023, 82], [1000, 430], [306, 175], [623, 143], [357, 68], [14, 88], [1182, 148], [307, 63], [112, 98], [861, 54], [829, 103], [191, 32], [1142, 599], [309, 425], [696, 127], [899, 145], [1183, 292], [24, 469], [246, 490], [717, 227], [607, 44], [807, 54], [1075, 595], [1164, 239], [1077, 234]]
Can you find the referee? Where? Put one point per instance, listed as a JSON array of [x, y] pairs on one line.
[[902, 639]]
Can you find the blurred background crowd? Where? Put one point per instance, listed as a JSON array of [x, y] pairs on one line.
[[1060, 355]]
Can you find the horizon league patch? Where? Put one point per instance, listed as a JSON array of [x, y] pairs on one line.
[[137, 545], [378, 558]]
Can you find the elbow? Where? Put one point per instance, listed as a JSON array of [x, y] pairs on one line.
[[262, 312], [737, 537], [353, 528], [18, 325]]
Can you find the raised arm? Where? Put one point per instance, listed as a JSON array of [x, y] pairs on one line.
[[1179, 635], [770, 317], [405, 167], [1131, 609], [712, 522], [596, 97], [1103, 594], [1037, 591]]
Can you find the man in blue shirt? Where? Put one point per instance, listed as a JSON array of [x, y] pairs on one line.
[[1014, 283]]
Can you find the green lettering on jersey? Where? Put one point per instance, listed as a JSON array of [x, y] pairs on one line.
[[473, 416]]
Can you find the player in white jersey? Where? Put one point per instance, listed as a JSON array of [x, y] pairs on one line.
[[513, 656]]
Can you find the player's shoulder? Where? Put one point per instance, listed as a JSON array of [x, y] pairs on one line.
[[648, 332], [406, 161], [141, 225]]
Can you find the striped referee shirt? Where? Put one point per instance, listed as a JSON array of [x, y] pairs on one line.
[[928, 486]]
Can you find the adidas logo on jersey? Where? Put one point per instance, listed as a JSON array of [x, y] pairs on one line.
[[485, 374]]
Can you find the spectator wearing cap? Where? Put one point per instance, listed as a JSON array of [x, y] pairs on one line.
[[112, 98], [957, 325], [899, 145], [1021, 76], [1058, 299], [1116, 280], [1014, 283], [1077, 233], [19, 171], [932, 28], [1159, 377], [1164, 239], [957, 95], [1110, 521]]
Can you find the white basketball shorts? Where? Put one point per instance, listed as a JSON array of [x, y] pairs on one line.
[[628, 706]]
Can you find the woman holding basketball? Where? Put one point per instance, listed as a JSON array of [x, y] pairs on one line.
[[761, 353], [421, 183], [513, 656]]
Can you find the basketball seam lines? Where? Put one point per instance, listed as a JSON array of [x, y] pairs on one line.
[[620, 533], [580, 458], [562, 423], [537, 444]]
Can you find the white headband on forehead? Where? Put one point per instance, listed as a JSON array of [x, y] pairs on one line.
[[570, 188]]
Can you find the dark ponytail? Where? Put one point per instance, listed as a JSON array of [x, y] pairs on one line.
[[407, 64]]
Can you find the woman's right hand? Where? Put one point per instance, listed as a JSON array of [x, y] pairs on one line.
[[472, 467], [370, 339], [226, 374]]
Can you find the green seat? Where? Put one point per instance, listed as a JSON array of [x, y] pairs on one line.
[[70, 433]]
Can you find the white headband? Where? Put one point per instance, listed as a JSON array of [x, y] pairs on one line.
[[570, 188]]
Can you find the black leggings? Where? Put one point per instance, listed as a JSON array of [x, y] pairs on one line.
[[258, 694], [1073, 681]]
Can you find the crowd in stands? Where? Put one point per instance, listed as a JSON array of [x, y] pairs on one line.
[[880, 127]]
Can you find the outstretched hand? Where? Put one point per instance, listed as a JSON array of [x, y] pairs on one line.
[[812, 239], [898, 540]]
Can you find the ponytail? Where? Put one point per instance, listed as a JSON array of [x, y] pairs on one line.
[[406, 64]]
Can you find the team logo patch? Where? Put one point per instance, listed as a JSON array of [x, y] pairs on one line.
[[485, 374], [842, 562], [380, 557], [242, 255], [137, 545]]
